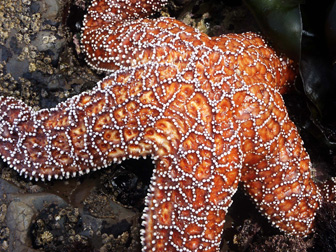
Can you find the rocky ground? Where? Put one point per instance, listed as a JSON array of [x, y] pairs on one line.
[[41, 63]]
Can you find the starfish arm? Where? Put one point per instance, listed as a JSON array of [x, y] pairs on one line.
[[102, 12], [112, 40], [131, 43], [328, 190], [256, 61], [191, 188], [276, 171], [87, 132], [188, 198]]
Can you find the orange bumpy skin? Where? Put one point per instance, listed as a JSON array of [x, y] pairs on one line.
[[208, 111]]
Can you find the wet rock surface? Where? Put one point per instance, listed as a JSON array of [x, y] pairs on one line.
[[65, 216], [40, 63], [37, 62]]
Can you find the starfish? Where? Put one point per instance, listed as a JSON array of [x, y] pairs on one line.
[[209, 111]]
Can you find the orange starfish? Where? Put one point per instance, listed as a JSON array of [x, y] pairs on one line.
[[208, 110]]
